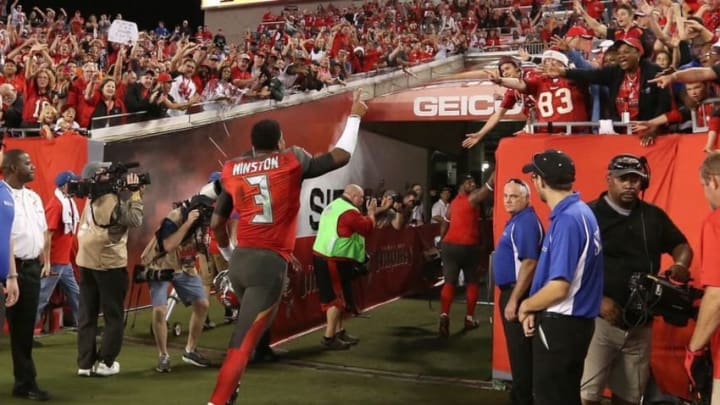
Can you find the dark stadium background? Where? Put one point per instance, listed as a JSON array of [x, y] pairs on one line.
[[144, 13]]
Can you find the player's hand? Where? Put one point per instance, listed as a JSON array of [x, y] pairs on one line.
[[193, 216], [493, 76], [679, 273], [529, 326], [559, 43], [662, 81], [359, 107], [471, 140], [46, 270], [523, 54], [647, 139], [372, 205], [578, 7], [610, 311], [511, 310], [698, 366], [12, 292]]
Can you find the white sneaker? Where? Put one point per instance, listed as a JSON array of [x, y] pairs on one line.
[[86, 372], [102, 369]]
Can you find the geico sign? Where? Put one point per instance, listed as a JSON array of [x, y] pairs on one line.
[[457, 106]]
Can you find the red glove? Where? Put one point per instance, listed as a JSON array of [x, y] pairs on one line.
[[698, 366]]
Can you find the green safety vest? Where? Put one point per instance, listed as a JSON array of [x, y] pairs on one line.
[[329, 244]]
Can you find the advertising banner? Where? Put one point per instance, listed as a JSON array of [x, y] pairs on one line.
[[446, 101]]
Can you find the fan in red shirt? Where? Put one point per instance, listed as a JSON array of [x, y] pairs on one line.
[[62, 218], [706, 331], [557, 99], [37, 95], [263, 187]]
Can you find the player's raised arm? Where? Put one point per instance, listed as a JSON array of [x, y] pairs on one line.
[[339, 156]]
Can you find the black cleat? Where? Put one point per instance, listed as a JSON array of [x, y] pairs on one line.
[[444, 327]]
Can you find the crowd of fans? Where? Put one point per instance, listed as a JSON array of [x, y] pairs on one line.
[[61, 73]]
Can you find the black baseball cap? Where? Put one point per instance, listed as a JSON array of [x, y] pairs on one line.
[[554, 166], [468, 176], [624, 164]]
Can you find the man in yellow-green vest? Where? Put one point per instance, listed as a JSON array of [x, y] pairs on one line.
[[339, 247]]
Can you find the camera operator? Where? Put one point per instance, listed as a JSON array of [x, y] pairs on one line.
[[102, 257], [634, 236], [170, 258], [340, 247]]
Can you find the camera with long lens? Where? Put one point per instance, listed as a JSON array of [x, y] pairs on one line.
[[143, 274], [652, 296], [112, 180]]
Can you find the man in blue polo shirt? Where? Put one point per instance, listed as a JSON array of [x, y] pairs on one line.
[[514, 264], [568, 284], [8, 273]]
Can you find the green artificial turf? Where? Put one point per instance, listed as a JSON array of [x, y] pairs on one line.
[[396, 338]]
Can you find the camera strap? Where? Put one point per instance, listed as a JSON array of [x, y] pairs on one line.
[[113, 217]]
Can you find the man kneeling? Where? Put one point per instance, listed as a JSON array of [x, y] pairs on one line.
[[170, 258]]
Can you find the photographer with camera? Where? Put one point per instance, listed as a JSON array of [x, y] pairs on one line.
[[115, 205], [169, 258], [634, 235], [338, 249], [395, 209]]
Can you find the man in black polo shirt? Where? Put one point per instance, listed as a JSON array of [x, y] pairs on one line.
[[634, 234]]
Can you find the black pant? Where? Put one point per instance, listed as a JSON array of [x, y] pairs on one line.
[[101, 289], [21, 320], [521, 356], [2, 305], [558, 368]]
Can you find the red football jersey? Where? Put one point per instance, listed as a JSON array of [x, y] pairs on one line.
[[558, 100], [266, 194], [464, 228]]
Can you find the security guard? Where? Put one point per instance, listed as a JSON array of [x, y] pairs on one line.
[[340, 247], [514, 264], [567, 287], [102, 257]]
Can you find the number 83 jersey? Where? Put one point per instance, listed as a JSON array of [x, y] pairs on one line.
[[558, 100], [266, 195]]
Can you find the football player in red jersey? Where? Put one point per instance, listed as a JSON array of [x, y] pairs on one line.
[[557, 99], [263, 187]]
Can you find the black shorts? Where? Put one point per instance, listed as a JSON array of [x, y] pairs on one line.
[[333, 278], [460, 257]]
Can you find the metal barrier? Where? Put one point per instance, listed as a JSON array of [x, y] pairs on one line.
[[569, 126], [693, 114]]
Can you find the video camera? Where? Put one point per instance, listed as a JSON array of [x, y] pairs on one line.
[[142, 274], [114, 183], [652, 295]]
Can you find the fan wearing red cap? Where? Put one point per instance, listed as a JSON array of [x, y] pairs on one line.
[[556, 99], [633, 96]]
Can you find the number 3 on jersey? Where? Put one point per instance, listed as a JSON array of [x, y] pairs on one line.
[[559, 101], [262, 198]]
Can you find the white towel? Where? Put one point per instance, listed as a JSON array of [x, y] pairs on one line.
[[70, 216]]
